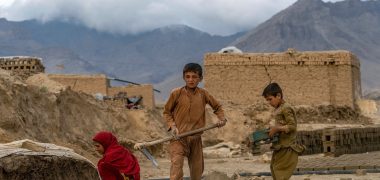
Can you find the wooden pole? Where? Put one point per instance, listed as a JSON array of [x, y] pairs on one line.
[[151, 143]]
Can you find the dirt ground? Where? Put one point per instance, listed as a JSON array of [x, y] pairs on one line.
[[232, 166], [42, 110]]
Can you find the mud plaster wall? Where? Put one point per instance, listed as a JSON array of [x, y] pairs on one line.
[[146, 91], [90, 84], [308, 78]]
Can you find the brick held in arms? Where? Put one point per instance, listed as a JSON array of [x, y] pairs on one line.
[[261, 136]]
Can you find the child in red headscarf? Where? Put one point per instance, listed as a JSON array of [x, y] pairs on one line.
[[117, 162]]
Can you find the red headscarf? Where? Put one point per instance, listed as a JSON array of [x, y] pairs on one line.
[[116, 159]]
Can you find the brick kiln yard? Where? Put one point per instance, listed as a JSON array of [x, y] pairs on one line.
[[326, 83], [43, 110], [245, 163]]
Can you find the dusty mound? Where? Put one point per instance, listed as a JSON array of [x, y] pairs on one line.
[[329, 114], [310, 114], [43, 81], [6, 75], [66, 117], [26, 159]]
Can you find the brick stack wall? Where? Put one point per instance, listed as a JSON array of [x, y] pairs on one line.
[[307, 78], [338, 141], [23, 66], [351, 141]]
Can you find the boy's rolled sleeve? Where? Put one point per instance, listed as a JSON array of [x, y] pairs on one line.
[[290, 120]]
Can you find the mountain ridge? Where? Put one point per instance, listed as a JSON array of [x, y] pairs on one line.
[[314, 25], [148, 57]]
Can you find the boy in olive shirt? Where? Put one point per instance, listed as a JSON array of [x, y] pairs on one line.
[[285, 151]]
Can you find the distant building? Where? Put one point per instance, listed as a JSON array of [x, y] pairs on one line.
[[23, 66], [307, 78], [143, 90], [99, 83]]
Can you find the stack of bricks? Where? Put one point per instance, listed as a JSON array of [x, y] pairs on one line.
[[338, 141], [350, 140], [332, 142], [312, 140]]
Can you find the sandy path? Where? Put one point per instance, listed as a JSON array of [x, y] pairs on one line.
[[253, 164]]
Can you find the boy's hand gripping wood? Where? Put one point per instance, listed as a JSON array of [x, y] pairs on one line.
[[142, 146]]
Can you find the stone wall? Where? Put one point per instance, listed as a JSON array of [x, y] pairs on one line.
[[90, 84], [307, 78], [23, 66], [146, 91]]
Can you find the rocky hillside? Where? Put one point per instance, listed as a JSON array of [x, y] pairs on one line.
[[316, 25]]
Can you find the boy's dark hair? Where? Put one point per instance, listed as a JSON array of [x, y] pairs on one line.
[[272, 90], [193, 67]]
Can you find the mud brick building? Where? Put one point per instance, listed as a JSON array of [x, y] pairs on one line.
[[91, 84], [307, 78], [144, 90], [99, 83], [23, 66]]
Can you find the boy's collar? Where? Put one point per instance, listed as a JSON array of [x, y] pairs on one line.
[[187, 90]]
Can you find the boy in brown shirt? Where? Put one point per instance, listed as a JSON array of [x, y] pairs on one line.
[[185, 111], [285, 151]]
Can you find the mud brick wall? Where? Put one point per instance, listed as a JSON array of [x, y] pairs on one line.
[[307, 78], [90, 84], [146, 91], [23, 66]]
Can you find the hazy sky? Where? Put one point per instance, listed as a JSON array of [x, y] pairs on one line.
[[132, 16]]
